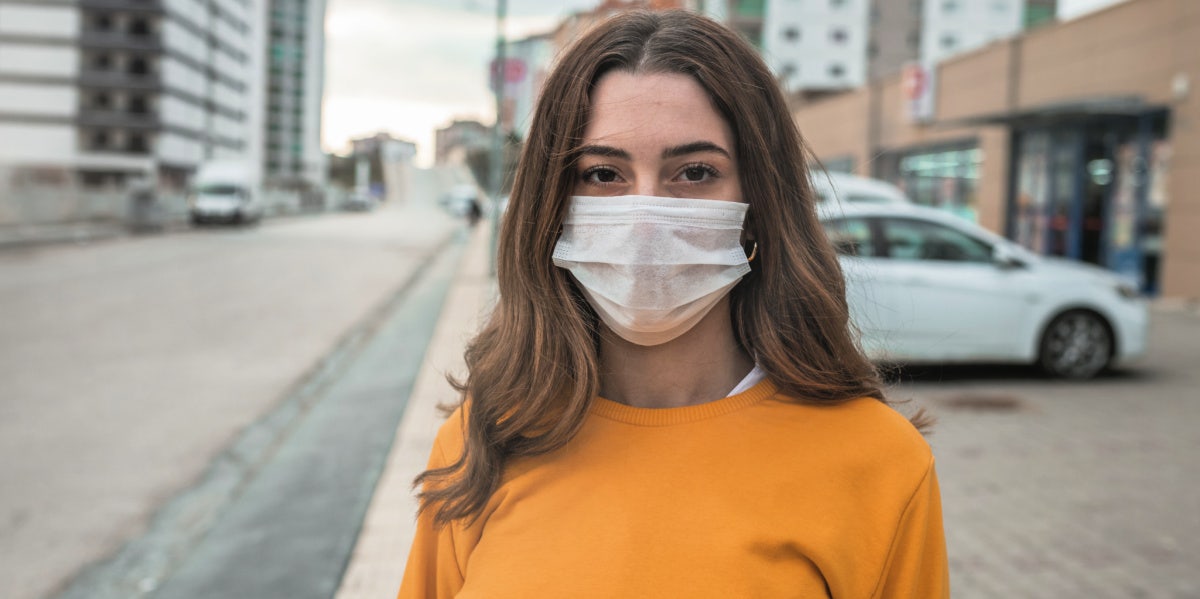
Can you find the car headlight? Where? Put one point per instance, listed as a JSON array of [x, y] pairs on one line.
[[1127, 291]]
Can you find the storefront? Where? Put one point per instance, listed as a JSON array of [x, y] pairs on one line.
[[1091, 188], [945, 176]]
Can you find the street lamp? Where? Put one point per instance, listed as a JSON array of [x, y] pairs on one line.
[[496, 173]]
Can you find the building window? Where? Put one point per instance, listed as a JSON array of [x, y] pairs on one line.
[[791, 34], [139, 66], [837, 3], [1000, 6], [838, 36], [137, 143], [950, 6], [949, 41], [102, 23], [836, 71], [102, 62], [138, 105], [101, 101], [139, 27], [99, 140]]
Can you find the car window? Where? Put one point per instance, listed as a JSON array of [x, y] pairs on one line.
[[850, 236], [910, 239], [868, 198]]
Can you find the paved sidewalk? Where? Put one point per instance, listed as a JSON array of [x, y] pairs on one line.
[[377, 563]]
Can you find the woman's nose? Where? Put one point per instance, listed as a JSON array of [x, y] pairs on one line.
[[649, 185]]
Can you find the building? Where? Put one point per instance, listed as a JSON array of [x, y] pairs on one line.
[[812, 45], [453, 142], [381, 164], [96, 92], [1077, 139], [295, 76], [815, 47], [951, 27]]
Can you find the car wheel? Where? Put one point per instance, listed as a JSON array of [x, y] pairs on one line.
[[1076, 345]]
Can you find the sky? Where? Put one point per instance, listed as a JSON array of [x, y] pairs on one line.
[[409, 67]]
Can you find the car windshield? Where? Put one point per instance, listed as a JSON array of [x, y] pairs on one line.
[[218, 189]]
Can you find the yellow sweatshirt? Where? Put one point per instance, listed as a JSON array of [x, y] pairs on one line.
[[752, 495]]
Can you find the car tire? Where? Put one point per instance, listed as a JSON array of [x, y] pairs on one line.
[[1077, 344]]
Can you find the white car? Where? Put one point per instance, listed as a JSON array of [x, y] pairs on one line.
[[925, 286], [224, 202], [844, 188]]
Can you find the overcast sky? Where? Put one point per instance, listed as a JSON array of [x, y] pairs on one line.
[[410, 66]]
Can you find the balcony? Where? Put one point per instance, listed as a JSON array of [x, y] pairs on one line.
[[114, 40], [119, 80], [142, 6], [116, 119]]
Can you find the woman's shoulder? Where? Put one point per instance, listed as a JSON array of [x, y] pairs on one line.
[[865, 428], [448, 443]]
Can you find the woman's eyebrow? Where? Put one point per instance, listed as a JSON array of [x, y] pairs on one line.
[[693, 148], [606, 151]]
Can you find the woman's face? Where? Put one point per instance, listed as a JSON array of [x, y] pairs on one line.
[[656, 135]]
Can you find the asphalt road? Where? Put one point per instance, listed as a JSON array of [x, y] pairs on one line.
[[127, 366]]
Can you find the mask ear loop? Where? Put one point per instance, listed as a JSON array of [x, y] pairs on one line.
[[753, 252]]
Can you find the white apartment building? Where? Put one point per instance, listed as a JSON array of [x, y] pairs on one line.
[[817, 44], [827, 45], [94, 92], [951, 27], [295, 62]]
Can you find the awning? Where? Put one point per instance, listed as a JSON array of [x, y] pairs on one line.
[[1057, 112]]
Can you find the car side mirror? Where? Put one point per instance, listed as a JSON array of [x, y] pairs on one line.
[[1005, 258]]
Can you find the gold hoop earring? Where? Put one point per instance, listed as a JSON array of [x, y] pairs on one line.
[[753, 252]]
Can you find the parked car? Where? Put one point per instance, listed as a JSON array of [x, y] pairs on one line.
[[225, 191], [925, 286], [846, 188], [459, 199], [359, 201]]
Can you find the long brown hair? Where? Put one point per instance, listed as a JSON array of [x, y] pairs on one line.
[[533, 369]]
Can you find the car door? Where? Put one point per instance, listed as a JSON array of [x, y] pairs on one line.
[[856, 242], [946, 298]]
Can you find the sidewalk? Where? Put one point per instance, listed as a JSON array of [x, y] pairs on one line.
[[12, 236], [377, 563]]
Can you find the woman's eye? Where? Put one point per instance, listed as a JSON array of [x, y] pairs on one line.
[[697, 174], [600, 175]]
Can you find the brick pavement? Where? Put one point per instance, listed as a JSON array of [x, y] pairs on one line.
[[1063, 490]]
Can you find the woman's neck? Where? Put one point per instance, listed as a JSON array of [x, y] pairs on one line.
[[701, 365]]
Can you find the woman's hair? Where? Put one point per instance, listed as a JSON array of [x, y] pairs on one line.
[[534, 367]]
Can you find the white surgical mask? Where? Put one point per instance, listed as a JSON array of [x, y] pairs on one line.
[[651, 266]]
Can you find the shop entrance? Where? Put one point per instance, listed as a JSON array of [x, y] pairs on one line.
[[1091, 189]]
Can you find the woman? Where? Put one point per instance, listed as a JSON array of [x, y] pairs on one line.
[[666, 400]]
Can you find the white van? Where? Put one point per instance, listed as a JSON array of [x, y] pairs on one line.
[[225, 191], [845, 188]]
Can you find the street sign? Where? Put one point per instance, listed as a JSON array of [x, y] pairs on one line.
[[515, 71]]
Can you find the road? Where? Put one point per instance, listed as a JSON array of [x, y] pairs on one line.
[[1072, 490], [128, 365]]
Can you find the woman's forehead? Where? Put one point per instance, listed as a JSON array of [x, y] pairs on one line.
[[655, 108]]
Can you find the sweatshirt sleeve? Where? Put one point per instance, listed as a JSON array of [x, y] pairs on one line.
[[432, 570], [916, 565]]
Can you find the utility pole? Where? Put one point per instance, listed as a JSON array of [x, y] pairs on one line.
[[496, 172]]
